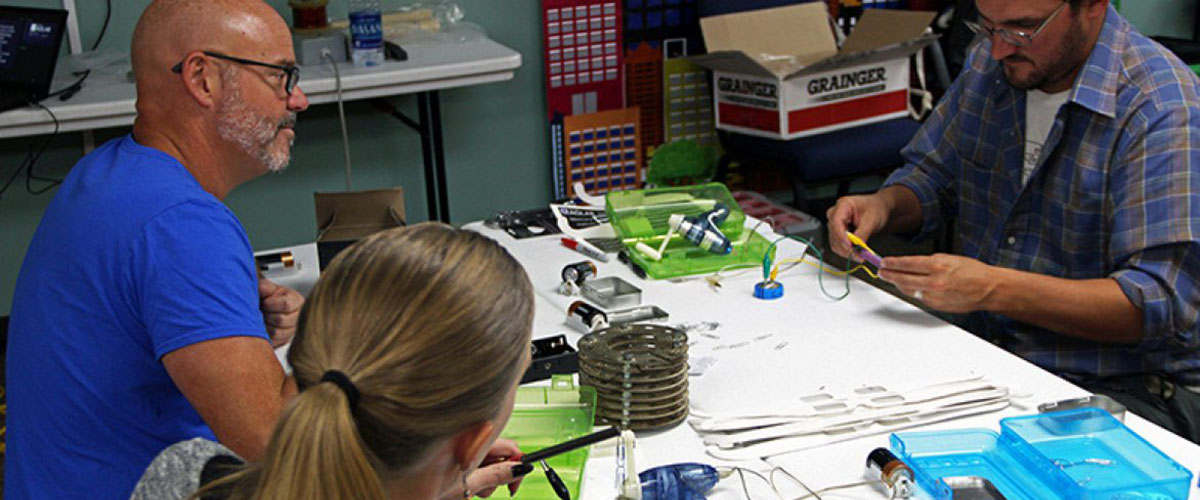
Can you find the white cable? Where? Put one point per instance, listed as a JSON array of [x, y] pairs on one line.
[[811, 492], [924, 93], [770, 480], [337, 77]]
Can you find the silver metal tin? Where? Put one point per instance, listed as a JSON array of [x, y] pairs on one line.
[[612, 293], [1094, 401]]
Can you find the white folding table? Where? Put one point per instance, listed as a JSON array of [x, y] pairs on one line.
[[800, 344], [107, 99]]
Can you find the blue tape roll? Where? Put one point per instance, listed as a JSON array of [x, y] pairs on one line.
[[768, 290]]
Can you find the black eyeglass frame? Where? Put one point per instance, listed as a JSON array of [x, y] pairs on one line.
[[292, 71], [1016, 38]]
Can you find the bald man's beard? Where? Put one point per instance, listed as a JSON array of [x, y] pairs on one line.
[[255, 135]]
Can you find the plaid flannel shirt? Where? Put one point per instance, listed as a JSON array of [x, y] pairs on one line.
[[1116, 193]]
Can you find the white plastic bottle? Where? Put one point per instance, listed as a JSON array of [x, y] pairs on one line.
[[366, 33]]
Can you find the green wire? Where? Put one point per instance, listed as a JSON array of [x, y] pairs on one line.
[[820, 269]]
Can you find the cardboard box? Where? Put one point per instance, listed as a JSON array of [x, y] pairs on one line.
[[778, 72], [346, 217]]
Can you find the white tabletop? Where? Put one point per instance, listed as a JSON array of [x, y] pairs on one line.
[[107, 99], [869, 338]]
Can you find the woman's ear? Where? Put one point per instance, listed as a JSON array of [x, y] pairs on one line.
[[472, 443]]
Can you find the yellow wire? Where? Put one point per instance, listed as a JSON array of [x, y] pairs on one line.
[[835, 272]]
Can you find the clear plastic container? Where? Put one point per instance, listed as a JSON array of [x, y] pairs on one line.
[[1083, 454], [546, 416], [936, 457], [1087, 454], [642, 216]]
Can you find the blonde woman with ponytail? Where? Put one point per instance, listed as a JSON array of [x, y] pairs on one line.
[[407, 358]]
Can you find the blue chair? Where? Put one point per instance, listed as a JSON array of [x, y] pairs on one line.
[[840, 156]]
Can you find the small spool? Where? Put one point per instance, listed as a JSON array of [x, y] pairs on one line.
[[579, 272], [768, 290], [309, 14], [895, 474], [590, 316]]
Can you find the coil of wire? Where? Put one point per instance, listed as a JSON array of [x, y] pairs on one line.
[[640, 375]]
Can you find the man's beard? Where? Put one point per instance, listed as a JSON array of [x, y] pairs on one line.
[[253, 134], [1061, 66]]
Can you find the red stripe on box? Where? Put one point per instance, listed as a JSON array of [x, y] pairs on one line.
[[848, 111], [748, 117]]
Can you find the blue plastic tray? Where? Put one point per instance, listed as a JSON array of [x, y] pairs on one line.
[[1083, 454]]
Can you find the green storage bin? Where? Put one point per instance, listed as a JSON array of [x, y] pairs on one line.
[[642, 215], [546, 416]]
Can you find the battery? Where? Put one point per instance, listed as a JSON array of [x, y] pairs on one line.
[[275, 261], [895, 474], [589, 315], [579, 272]]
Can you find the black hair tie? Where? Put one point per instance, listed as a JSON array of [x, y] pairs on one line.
[[342, 381]]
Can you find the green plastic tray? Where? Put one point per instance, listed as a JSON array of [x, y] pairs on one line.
[[641, 216], [545, 416]]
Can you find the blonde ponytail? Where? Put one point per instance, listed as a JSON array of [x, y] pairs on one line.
[[431, 325]]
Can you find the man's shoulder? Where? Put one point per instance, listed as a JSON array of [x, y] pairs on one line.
[[1158, 74], [979, 63], [123, 184]]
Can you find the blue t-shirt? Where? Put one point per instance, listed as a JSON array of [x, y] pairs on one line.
[[132, 260]]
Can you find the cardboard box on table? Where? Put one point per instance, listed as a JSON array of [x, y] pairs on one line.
[[346, 217], [778, 72]]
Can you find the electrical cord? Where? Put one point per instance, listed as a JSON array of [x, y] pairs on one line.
[[771, 268], [30, 159], [72, 89], [104, 27], [29, 175], [714, 279], [811, 492], [770, 480], [337, 77], [770, 272]]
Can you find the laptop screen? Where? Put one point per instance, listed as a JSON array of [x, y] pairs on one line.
[[29, 43]]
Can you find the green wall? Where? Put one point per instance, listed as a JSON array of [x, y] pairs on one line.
[[1161, 17], [495, 137], [494, 134]]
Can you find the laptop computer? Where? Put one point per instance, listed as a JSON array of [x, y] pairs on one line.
[[29, 43]]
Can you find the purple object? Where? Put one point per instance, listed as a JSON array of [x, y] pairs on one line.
[[869, 256]]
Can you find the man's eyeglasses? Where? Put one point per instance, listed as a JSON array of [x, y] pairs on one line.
[[291, 70], [1015, 38]]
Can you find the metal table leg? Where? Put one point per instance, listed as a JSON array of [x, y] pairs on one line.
[[433, 154]]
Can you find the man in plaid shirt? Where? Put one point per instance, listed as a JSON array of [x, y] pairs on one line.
[[1065, 155]]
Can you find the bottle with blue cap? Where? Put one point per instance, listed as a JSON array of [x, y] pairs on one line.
[[366, 33]]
